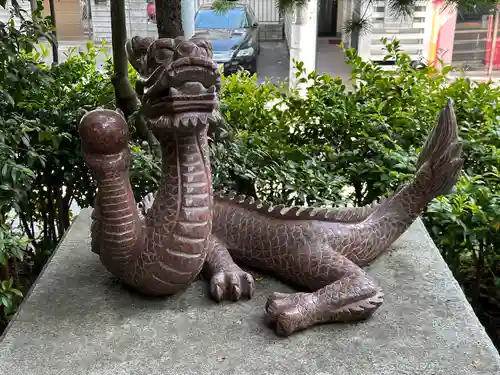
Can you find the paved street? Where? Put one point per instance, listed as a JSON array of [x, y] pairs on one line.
[[272, 62]]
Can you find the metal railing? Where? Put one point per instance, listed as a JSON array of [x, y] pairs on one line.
[[266, 10], [476, 46]]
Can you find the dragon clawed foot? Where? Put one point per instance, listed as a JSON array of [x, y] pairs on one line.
[[288, 313], [232, 285]]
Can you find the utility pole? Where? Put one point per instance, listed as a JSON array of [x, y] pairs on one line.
[[54, 43], [303, 41], [187, 14]]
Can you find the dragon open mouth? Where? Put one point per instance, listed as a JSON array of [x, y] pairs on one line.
[[185, 94]]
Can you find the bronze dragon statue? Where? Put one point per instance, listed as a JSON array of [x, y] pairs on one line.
[[160, 246]]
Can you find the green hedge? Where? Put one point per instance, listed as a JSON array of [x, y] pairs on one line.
[[42, 173]]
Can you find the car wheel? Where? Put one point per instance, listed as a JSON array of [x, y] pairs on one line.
[[253, 66]]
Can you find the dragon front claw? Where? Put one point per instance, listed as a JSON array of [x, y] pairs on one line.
[[232, 285]]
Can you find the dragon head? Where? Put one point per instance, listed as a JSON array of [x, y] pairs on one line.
[[179, 83]]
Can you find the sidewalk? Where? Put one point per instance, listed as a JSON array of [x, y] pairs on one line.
[[478, 76], [64, 48]]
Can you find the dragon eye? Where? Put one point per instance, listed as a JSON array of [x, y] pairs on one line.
[[163, 55], [137, 50], [160, 52]]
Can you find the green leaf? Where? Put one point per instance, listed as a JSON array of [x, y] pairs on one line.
[[6, 96], [17, 292], [446, 69], [497, 282], [4, 300]]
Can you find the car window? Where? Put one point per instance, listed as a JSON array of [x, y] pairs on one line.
[[210, 19]]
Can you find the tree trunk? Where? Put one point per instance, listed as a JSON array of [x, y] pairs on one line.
[[54, 43], [168, 18], [126, 97]]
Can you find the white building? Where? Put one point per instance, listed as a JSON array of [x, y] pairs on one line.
[[314, 32]]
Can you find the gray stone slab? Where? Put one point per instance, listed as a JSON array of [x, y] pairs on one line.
[[78, 321]]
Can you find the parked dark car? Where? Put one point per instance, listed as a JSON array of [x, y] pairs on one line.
[[234, 35]]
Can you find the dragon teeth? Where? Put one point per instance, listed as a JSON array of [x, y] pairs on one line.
[[193, 88], [184, 121]]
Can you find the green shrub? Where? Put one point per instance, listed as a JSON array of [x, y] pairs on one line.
[[42, 173], [365, 138]]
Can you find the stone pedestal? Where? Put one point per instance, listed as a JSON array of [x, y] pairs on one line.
[[78, 321]]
